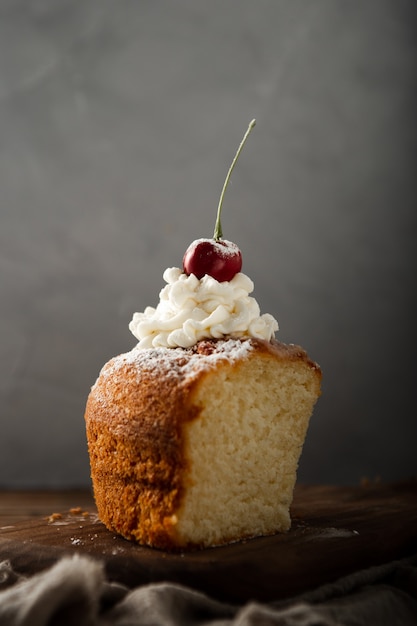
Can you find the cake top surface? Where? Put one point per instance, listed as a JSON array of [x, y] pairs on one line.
[[189, 363], [191, 309], [180, 362]]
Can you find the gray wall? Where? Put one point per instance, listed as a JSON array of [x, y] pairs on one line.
[[118, 121]]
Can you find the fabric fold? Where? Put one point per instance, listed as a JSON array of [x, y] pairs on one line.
[[76, 592]]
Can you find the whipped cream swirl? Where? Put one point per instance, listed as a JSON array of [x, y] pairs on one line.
[[191, 309]]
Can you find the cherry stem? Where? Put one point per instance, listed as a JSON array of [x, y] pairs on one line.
[[218, 233]]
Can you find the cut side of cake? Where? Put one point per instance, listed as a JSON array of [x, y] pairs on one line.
[[198, 447]]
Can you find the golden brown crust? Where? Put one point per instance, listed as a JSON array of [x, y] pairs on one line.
[[135, 446], [134, 419], [286, 351]]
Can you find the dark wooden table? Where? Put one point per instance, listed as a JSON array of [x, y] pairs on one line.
[[335, 531], [23, 505]]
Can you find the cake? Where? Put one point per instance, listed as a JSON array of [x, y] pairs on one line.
[[199, 447], [195, 435]]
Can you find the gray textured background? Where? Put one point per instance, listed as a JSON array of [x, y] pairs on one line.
[[118, 121]]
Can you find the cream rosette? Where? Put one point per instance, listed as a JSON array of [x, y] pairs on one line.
[[191, 309]]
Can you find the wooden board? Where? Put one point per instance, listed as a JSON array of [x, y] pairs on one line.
[[335, 531]]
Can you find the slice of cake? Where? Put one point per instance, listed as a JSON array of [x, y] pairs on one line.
[[195, 435], [199, 447]]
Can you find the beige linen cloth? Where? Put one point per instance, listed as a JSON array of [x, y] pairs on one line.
[[75, 592]]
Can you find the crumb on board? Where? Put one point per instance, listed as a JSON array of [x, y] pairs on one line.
[[367, 482], [76, 511]]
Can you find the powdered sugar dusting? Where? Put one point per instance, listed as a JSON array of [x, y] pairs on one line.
[[224, 248], [180, 363]]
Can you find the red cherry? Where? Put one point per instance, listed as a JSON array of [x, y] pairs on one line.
[[220, 259], [216, 257]]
